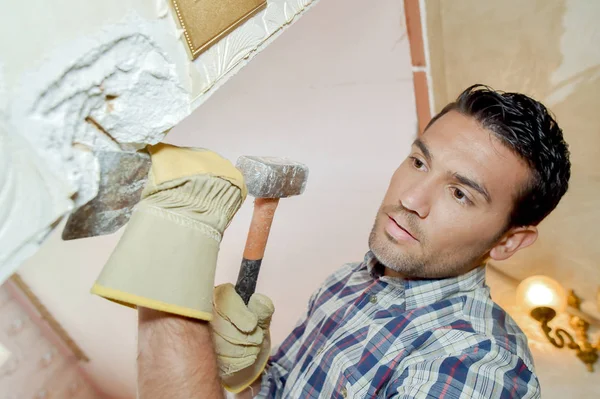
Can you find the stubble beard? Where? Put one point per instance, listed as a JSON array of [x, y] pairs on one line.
[[389, 255], [426, 265]]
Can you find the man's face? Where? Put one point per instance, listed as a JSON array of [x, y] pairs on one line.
[[449, 202]]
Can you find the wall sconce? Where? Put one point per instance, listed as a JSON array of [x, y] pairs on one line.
[[543, 298]]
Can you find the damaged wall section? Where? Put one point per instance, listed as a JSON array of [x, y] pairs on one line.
[[118, 81], [116, 91]]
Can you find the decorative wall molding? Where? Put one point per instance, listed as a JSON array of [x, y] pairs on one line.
[[229, 55], [121, 87]]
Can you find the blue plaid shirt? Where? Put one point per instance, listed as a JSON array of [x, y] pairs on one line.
[[366, 335]]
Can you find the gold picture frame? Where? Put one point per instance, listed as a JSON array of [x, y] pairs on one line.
[[205, 22]]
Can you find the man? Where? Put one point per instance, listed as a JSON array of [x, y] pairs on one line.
[[415, 318]]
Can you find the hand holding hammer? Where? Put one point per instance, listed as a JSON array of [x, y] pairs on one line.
[[242, 317]]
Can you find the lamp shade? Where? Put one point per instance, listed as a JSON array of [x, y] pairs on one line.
[[541, 291]]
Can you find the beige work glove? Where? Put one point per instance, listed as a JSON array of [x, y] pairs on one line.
[[241, 336], [166, 258]]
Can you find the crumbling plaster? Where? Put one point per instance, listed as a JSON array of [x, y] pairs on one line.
[[85, 79]]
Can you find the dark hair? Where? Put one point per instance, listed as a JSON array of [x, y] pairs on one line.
[[526, 127]]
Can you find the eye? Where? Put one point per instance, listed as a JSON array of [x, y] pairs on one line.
[[461, 197], [417, 163]]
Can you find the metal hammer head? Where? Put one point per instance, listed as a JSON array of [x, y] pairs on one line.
[[273, 177]]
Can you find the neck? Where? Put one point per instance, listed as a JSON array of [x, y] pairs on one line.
[[392, 273]]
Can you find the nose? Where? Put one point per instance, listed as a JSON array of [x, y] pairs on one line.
[[417, 198]]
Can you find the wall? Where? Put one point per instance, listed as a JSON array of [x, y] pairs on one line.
[[335, 91], [35, 368], [78, 78], [547, 49]]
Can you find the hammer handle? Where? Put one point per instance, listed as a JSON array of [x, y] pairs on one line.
[[260, 227]]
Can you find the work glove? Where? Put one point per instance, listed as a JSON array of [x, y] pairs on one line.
[[166, 258], [241, 336]]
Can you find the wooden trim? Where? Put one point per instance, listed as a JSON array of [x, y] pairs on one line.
[[437, 67], [414, 31], [421, 99]]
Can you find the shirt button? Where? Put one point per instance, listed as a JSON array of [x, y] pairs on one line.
[[320, 351], [373, 299], [344, 392]]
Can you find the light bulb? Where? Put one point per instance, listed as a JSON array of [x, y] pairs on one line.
[[539, 295], [541, 291]]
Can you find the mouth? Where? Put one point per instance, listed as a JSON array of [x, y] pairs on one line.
[[397, 231]]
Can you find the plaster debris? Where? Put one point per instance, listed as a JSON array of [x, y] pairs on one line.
[[162, 8], [116, 90], [120, 93], [31, 198]]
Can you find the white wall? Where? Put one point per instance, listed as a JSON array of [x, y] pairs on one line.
[[335, 92], [121, 65]]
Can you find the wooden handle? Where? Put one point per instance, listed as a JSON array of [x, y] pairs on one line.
[[260, 227]]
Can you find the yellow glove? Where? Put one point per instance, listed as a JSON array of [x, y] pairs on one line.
[[166, 258], [241, 336]]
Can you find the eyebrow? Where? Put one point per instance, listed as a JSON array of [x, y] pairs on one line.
[[474, 185], [480, 188], [424, 149]]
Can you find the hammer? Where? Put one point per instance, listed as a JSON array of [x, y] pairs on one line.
[[268, 179]]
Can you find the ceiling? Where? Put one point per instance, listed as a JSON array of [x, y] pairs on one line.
[[554, 57]]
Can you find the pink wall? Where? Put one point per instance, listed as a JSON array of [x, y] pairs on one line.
[[335, 91], [36, 368]]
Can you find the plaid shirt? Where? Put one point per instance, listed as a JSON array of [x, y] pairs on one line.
[[367, 335]]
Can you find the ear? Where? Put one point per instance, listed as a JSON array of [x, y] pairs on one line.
[[515, 239]]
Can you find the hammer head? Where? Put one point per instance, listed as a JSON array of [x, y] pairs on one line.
[[273, 177]]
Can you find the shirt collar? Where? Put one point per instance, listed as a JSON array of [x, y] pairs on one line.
[[419, 293]]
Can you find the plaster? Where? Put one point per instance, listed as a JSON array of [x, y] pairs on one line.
[[229, 55], [578, 63], [115, 78], [24, 219], [111, 91]]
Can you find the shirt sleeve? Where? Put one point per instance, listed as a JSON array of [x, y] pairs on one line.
[[279, 365], [478, 372]]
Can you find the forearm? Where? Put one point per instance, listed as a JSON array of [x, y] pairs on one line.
[[176, 358]]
